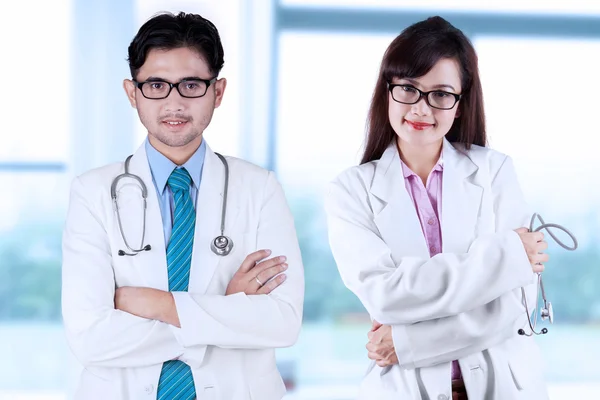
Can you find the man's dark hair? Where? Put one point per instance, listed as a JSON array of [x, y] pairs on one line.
[[167, 31]]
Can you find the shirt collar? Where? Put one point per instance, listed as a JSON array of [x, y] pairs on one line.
[[439, 166], [162, 167]]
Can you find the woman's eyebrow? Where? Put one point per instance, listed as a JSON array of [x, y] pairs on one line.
[[440, 86]]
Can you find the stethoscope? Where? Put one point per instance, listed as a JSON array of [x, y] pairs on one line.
[[546, 312], [221, 245]]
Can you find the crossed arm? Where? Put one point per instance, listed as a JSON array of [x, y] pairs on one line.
[[159, 305], [442, 308], [133, 327]]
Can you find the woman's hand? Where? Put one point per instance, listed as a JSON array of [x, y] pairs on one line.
[[381, 345], [534, 245]]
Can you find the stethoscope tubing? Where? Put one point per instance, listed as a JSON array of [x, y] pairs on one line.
[[221, 245]]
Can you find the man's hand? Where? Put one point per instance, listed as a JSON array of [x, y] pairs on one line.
[[381, 346], [147, 303], [253, 276]]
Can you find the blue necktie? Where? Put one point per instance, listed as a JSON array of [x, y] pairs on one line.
[[176, 381]]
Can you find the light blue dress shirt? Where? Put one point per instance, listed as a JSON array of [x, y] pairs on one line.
[[161, 168]]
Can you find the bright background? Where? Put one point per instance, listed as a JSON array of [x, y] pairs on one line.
[[300, 75]]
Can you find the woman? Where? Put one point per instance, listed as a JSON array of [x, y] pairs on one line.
[[428, 233]]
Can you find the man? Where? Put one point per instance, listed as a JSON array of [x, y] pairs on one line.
[[153, 307]]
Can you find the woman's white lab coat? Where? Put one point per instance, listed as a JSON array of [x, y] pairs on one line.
[[464, 303]]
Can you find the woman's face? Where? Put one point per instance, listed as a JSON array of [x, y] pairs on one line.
[[420, 124]]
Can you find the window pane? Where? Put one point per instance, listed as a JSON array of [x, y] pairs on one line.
[[31, 337], [34, 115], [540, 102], [540, 111], [324, 97], [30, 245]]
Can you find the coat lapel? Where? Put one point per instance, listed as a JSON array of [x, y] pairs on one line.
[[396, 217], [208, 221], [461, 200], [152, 265]]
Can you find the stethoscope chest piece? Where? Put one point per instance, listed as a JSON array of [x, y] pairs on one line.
[[547, 313], [221, 245]]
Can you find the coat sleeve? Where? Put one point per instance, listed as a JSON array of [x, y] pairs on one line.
[[445, 339], [419, 289], [252, 321], [97, 333]]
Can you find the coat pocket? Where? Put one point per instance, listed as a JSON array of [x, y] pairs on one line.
[[520, 371], [388, 384], [525, 363], [95, 387], [267, 387]]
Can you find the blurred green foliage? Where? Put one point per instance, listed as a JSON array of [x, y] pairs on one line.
[[30, 262]]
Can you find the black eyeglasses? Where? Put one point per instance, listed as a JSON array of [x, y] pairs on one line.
[[408, 94], [157, 89]]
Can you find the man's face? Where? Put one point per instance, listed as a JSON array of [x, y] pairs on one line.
[[174, 121]]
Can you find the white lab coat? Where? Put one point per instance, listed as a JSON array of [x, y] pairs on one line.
[[463, 304], [228, 341]]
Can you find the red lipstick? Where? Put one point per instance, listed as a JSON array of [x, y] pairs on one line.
[[419, 126]]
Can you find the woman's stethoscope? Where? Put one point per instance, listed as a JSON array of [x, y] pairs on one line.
[[221, 245], [546, 311]]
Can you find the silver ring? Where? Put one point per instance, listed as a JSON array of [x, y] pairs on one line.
[[258, 280]]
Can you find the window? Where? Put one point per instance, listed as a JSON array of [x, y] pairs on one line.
[[33, 161], [540, 110]]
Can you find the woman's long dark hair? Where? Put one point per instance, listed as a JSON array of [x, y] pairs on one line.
[[413, 54]]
